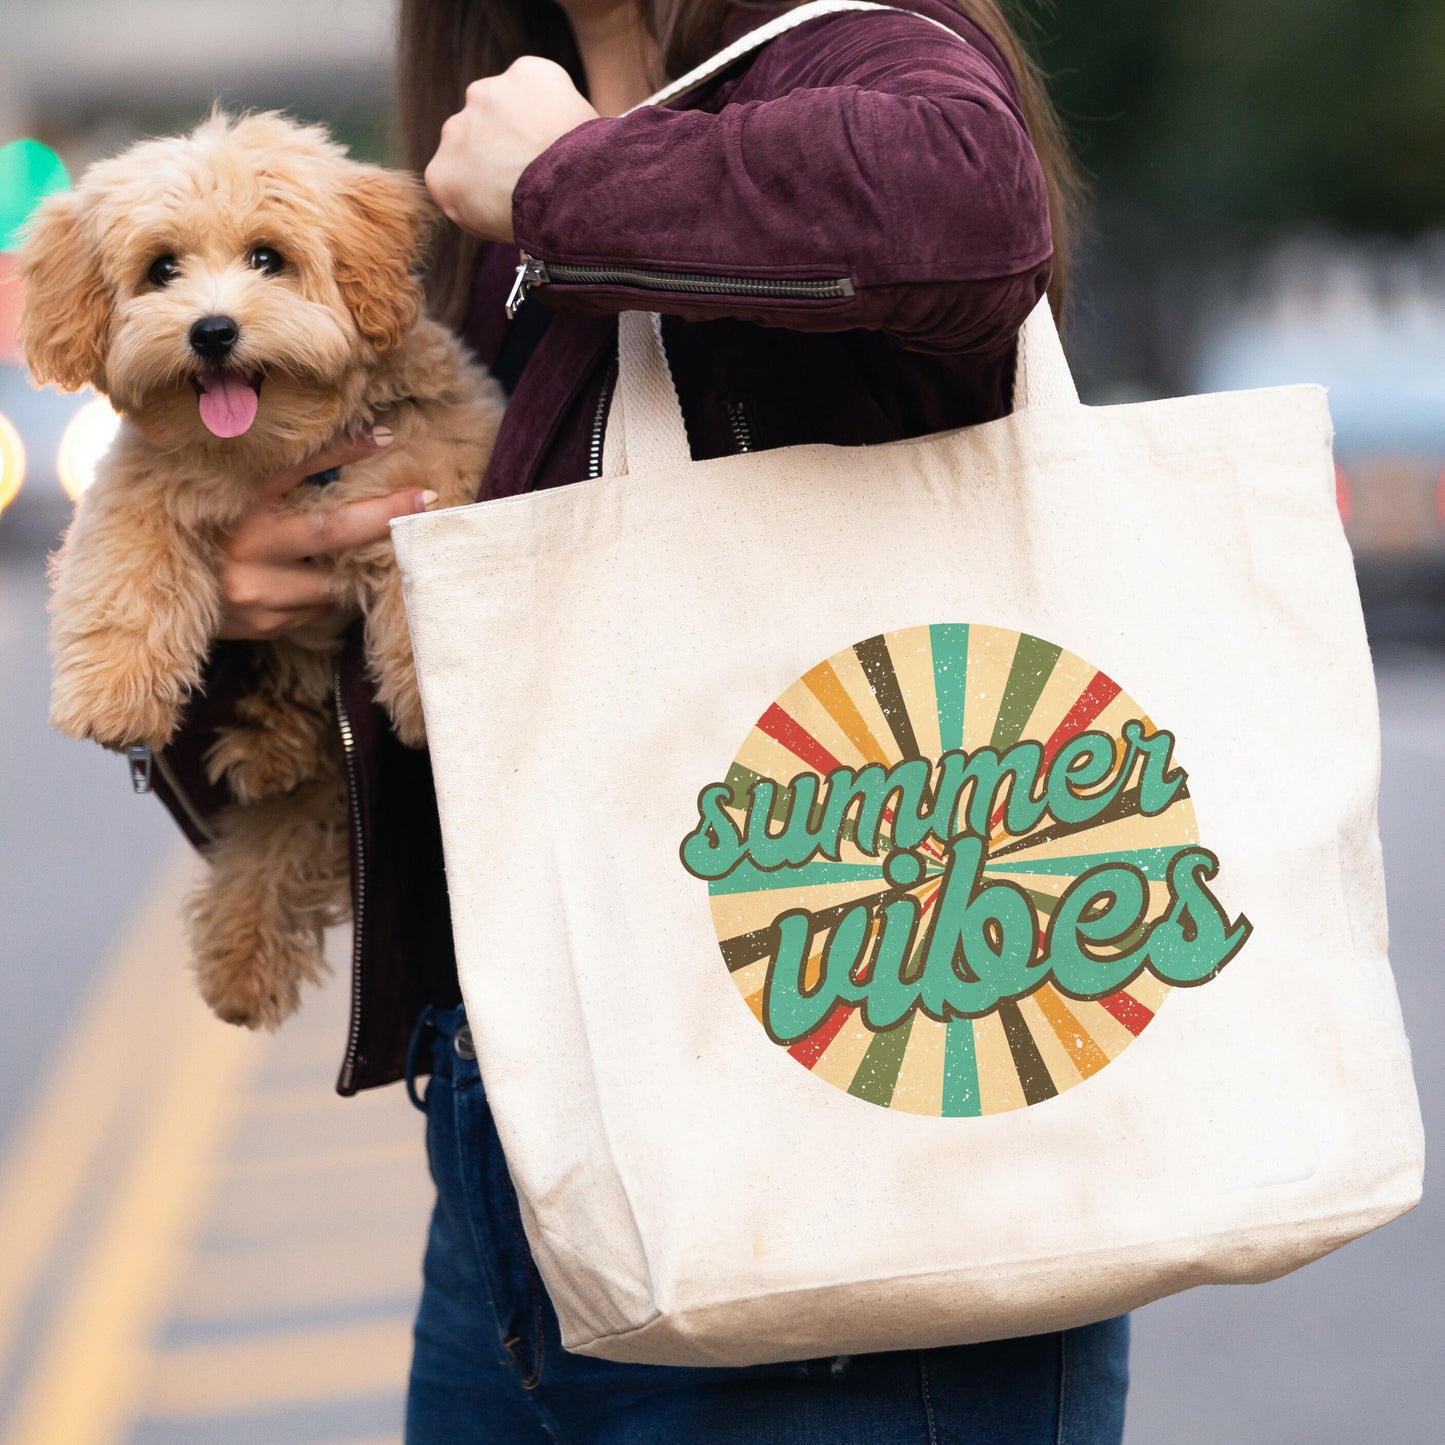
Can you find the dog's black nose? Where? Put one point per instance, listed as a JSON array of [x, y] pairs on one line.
[[212, 337]]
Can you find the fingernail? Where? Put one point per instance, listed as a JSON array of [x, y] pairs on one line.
[[383, 436], [427, 498]]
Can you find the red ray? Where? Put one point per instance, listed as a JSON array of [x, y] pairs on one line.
[[802, 744], [1100, 692], [809, 1050], [797, 739], [1129, 1011]]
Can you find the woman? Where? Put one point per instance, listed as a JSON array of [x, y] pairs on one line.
[[913, 173]]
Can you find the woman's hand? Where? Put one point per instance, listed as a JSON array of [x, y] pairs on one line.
[[270, 580], [508, 121]]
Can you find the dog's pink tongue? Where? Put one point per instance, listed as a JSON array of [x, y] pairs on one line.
[[228, 403]]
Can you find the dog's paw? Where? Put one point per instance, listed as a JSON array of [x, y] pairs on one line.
[[253, 989], [251, 1007], [249, 965], [111, 711], [397, 692], [262, 764], [407, 721]]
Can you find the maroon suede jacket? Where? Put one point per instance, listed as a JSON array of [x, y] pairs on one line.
[[844, 234]]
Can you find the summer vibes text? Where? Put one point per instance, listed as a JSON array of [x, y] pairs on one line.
[[981, 945]]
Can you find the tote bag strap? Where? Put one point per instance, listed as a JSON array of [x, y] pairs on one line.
[[645, 428], [756, 39]]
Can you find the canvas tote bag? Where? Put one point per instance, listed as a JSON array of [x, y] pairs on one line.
[[923, 893]]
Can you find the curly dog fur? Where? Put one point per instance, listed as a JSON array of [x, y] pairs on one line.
[[330, 337]]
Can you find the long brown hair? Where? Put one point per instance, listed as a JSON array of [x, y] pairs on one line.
[[443, 45]]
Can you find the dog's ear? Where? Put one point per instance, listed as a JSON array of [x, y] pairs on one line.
[[378, 248], [66, 310]]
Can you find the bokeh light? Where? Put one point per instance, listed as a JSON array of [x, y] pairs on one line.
[[12, 461], [86, 440], [29, 171]]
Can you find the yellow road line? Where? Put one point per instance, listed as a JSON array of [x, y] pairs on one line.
[[294, 1274], [91, 1369], [294, 1101], [274, 1371], [370, 1440], [371, 1161], [94, 1075]]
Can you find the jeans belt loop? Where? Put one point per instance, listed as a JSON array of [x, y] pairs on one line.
[[413, 1056]]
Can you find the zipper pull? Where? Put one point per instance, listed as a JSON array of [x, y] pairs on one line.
[[140, 759], [530, 273]]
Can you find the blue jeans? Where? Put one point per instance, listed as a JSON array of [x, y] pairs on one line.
[[489, 1363]]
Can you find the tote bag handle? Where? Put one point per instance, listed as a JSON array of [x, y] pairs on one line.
[[645, 429]]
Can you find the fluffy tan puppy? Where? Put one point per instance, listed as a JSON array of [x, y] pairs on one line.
[[243, 295]]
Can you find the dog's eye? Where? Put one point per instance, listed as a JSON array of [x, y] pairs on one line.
[[266, 259], [163, 270]]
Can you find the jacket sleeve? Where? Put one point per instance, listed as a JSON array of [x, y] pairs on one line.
[[178, 774], [889, 155]]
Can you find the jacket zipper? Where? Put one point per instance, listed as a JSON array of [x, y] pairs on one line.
[[358, 889], [599, 424], [742, 427], [533, 273]]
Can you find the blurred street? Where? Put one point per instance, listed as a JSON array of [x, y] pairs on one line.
[[199, 1242]]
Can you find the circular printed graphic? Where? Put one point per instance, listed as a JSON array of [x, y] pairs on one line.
[[954, 870]]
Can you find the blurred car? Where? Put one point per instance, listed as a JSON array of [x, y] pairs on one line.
[[41, 419], [1368, 323]]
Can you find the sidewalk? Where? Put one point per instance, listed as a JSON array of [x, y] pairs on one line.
[[200, 1243]]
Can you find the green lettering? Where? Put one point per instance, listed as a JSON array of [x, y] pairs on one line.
[[714, 848], [1158, 786], [797, 840], [1079, 919], [1194, 940], [982, 941], [870, 788], [889, 996], [790, 1011], [1083, 763], [988, 774]]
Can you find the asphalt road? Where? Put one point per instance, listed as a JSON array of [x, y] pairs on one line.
[[78, 849], [1350, 1350], [200, 1242]]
